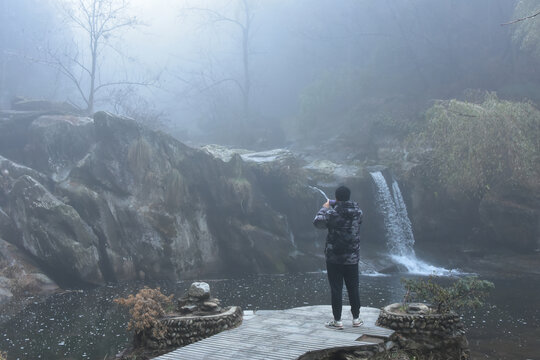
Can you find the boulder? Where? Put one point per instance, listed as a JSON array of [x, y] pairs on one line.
[[58, 142], [8, 230], [199, 290], [20, 271], [53, 232]]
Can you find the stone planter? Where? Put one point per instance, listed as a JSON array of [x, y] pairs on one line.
[[421, 328], [184, 330]]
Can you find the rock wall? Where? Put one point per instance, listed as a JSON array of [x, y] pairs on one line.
[[506, 219], [104, 199]]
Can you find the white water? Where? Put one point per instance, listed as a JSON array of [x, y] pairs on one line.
[[399, 234], [319, 190]]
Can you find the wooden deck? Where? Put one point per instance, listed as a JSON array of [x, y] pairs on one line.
[[283, 334]]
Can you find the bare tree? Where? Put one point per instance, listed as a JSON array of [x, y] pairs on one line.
[[243, 22], [100, 21]]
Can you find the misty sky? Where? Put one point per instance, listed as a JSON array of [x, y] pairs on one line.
[[387, 48]]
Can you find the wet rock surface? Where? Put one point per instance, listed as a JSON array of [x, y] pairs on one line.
[[137, 204], [104, 199]]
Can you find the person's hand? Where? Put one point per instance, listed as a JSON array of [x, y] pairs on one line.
[[327, 204]]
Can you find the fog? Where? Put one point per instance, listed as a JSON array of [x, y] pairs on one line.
[[427, 110], [189, 56]]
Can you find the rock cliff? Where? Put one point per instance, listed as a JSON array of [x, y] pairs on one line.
[[104, 199]]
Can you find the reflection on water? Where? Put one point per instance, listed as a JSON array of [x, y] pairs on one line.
[[88, 325]]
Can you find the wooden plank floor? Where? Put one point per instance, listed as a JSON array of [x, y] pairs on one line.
[[282, 334]]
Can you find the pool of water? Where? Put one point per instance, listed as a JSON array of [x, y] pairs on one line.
[[88, 325]]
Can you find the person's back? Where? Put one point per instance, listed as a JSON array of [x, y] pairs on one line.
[[342, 251], [343, 223]]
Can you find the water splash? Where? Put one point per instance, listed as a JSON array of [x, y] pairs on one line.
[[399, 234], [319, 190]]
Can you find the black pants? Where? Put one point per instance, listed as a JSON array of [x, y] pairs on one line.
[[337, 273]]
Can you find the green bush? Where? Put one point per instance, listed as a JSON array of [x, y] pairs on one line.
[[475, 146], [465, 292]]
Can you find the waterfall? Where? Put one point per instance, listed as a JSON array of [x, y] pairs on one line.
[[399, 234], [396, 220]]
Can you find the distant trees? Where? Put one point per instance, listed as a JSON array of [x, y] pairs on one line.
[[25, 25], [242, 20], [239, 17], [100, 21]]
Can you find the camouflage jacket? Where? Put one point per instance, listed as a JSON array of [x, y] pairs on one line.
[[343, 224]]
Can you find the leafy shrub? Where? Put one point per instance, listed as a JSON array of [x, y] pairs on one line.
[[476, 146], [466, 292], [146, 308]]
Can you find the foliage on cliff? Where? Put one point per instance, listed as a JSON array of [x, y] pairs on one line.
[[466, 292], [477, 145], [146, 308]]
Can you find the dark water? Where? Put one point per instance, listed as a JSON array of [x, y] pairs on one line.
[[88, 325]]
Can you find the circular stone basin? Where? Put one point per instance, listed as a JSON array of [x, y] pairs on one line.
[[419, 318], [412, 309]]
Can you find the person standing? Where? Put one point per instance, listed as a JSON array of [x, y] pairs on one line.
[[342, 218]]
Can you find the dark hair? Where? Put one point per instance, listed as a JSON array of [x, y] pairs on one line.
[[343, 193]]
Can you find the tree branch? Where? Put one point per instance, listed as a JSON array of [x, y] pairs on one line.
[[139, 83], [217, 16], [521, 19]]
